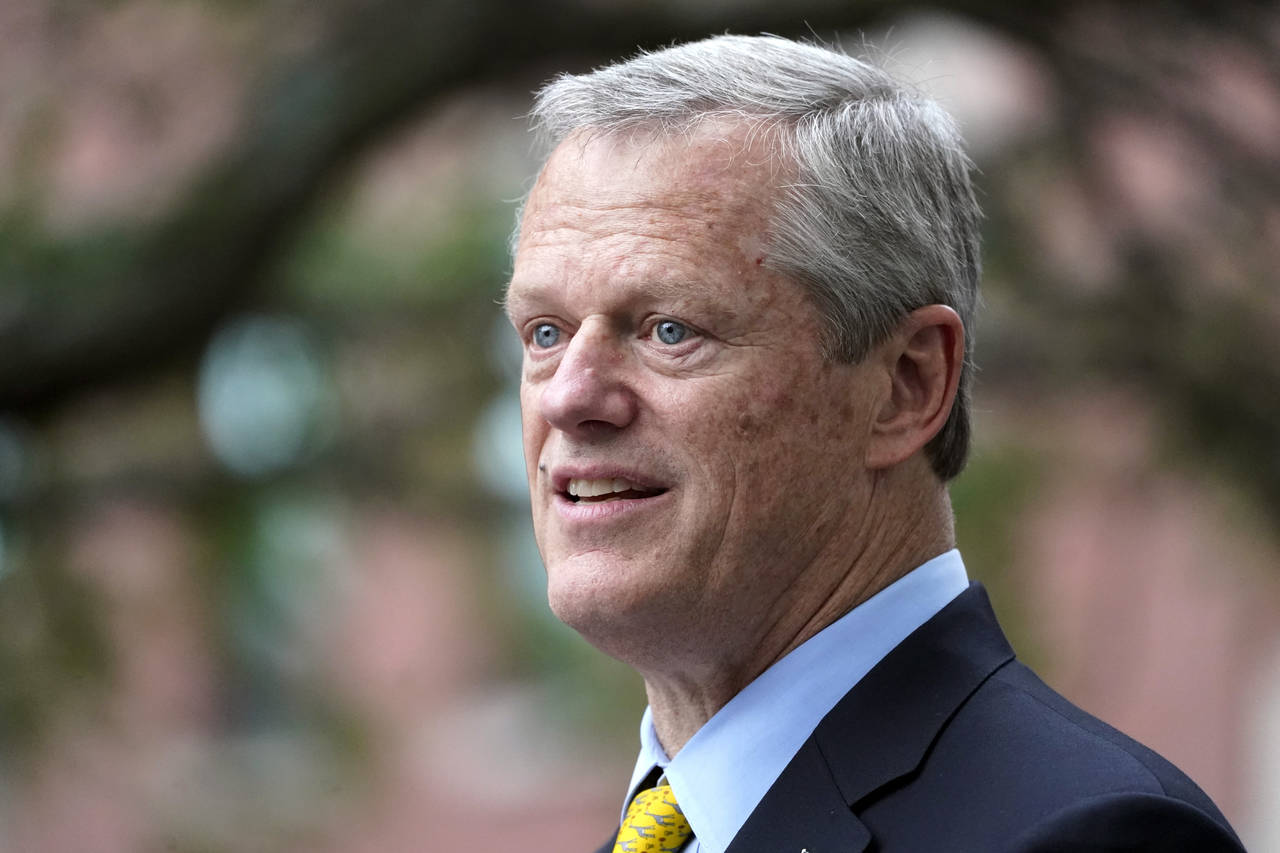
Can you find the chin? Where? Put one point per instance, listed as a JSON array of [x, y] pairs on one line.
[[583, 603], [614, 618]]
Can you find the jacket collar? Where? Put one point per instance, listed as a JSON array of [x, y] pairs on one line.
[[880, 731]]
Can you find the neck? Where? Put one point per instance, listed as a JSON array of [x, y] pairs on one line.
[[917, 529]]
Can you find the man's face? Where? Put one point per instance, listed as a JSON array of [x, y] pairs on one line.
[[692, 456]]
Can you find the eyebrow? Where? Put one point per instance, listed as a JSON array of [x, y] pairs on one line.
[[667, 290], [508, 303]]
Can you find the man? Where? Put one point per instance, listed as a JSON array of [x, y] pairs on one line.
[[743, 281]]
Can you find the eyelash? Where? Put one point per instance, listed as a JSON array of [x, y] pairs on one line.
[[652, 333], [649, 333], [533, 334]]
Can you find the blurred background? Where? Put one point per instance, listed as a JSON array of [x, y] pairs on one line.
[[266, 577]]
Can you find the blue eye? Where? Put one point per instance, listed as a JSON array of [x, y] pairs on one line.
[[545, 335], [670, 332]]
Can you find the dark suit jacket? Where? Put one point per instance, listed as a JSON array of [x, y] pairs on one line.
[[951, 744]]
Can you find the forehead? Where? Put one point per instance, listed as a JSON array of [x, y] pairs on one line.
[[716, 162], [656, 206]]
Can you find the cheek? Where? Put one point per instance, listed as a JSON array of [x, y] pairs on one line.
[[755, 431], [794, 428], [780, 427], [533, 429]]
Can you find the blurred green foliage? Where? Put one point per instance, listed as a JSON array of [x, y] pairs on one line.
[[140, 219]]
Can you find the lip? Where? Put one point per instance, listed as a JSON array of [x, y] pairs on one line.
[[582, 512], [585, 512], [561, 476]]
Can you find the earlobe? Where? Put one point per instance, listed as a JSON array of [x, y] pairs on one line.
[[923, 359]]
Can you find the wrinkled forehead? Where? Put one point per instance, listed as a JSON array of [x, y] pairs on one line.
[[719, 163], [646, 208]]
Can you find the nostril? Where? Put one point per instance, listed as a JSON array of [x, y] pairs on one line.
[[582, 397]]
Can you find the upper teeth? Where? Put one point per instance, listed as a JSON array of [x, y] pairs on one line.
[[593, 488]]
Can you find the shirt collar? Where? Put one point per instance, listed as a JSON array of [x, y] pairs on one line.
[[725, 769]]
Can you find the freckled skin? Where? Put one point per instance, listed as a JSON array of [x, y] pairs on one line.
[[760, 441]]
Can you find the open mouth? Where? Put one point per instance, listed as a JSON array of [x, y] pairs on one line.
[[601, 491]]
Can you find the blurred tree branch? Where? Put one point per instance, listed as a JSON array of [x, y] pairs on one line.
[[157, 295], [1191, 318], [152, 297]]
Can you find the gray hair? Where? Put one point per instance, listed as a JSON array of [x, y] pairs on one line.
[[880, 218]]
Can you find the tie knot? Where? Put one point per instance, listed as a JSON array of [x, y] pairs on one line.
[[654, 823]]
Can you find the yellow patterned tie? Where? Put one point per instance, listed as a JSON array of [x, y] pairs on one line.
[[654, 824]]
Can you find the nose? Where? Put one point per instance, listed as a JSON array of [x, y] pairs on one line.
[[589, 392]]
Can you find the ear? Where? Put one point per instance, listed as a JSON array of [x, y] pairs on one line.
[[923, 359]]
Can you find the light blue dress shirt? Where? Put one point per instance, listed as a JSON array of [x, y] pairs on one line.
[[721, 774]]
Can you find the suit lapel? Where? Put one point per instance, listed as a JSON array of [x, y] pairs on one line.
[[803, 811], [879, 732]]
